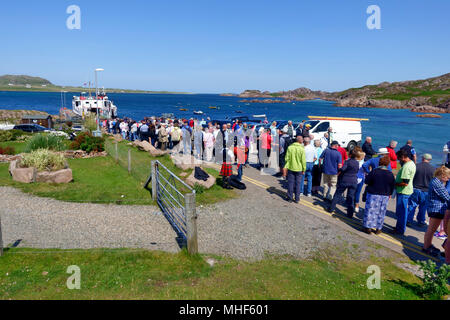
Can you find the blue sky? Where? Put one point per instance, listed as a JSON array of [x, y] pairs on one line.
[[226, 46]]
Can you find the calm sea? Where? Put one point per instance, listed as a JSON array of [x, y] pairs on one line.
[[428, 135]]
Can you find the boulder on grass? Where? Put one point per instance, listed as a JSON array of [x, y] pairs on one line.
[[24, 175], [146, 146], [206, 184], [183, 162], [60, 176], [117, 137]]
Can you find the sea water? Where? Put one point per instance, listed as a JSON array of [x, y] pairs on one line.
[[428, 134]]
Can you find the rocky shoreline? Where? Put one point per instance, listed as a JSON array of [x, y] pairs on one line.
[[424, 96]]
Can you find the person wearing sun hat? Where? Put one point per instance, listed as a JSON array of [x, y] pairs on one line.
[[374, 163], [305, 132]]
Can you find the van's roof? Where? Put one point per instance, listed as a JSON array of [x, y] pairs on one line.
[[336, 118]]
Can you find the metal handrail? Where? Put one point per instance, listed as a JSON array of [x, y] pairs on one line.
[[179, 180]]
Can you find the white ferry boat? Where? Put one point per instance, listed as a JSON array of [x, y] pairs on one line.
[[83, 105]]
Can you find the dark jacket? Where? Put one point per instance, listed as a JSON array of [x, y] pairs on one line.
[[367, 148], [349, 172], [424, 175], [380, 182]]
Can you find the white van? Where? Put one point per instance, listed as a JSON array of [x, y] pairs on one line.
[[346, 131]]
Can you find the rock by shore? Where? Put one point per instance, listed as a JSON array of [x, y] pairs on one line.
[[429, 115]]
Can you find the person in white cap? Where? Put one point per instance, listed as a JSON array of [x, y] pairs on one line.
[[374, 163]]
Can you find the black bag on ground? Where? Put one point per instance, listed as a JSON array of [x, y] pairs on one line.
[[199, 174], [235, 183]]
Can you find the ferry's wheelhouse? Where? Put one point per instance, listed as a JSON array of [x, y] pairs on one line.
[[83, 105]]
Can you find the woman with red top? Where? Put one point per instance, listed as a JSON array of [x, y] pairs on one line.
[[266, 147], [343, 153], [392, 154]]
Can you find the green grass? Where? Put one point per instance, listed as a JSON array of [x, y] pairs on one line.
[[18, 146], [140, 274], [102, 180], [414, 92], [97, 180]]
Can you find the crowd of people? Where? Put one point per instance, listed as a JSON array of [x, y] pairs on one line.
[[322, 163], [414, 185]]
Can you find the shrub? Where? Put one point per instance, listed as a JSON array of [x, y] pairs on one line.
[[6, 135], [43, 160], [13, 135], [7, 150], [90, 122], [87, 142], [45, 141], [435, 279]]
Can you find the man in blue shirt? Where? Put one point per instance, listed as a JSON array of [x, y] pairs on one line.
[[331, 161], [374, 163]]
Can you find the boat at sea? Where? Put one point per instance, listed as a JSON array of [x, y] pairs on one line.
[[213, 107], [198, 112], [84, 104], [259, 116]]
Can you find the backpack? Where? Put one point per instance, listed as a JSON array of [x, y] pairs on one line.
[[235, 183], [176, 134], [287, 142]]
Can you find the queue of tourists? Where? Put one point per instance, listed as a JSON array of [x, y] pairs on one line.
[[322, 163], [415, 185]]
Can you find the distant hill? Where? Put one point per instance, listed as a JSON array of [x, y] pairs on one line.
[[29, 83], [431, 94], [428, 95], [22, 80]]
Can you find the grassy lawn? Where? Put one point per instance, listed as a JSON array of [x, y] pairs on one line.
[[18, 146], [140, 274], [102, 180], [97, 180]]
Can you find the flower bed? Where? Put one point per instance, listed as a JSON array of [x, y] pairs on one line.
[[41, 166]]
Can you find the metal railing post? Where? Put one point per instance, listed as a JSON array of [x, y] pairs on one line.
[[154, 182], [1, 238], [191, 223], [129, 161]]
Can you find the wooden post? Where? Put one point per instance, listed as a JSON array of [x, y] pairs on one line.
[[117, 152], [154, 182], [191, 223], [129, 161], [1, 238]]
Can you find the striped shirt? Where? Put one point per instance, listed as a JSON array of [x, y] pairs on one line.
[[438, 197]]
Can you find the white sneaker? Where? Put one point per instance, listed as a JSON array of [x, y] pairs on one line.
[[356, 209], [309, 195]]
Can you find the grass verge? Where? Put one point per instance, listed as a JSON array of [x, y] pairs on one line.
[[19, 147], [102, 180], [97, 180], [140, 274]]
